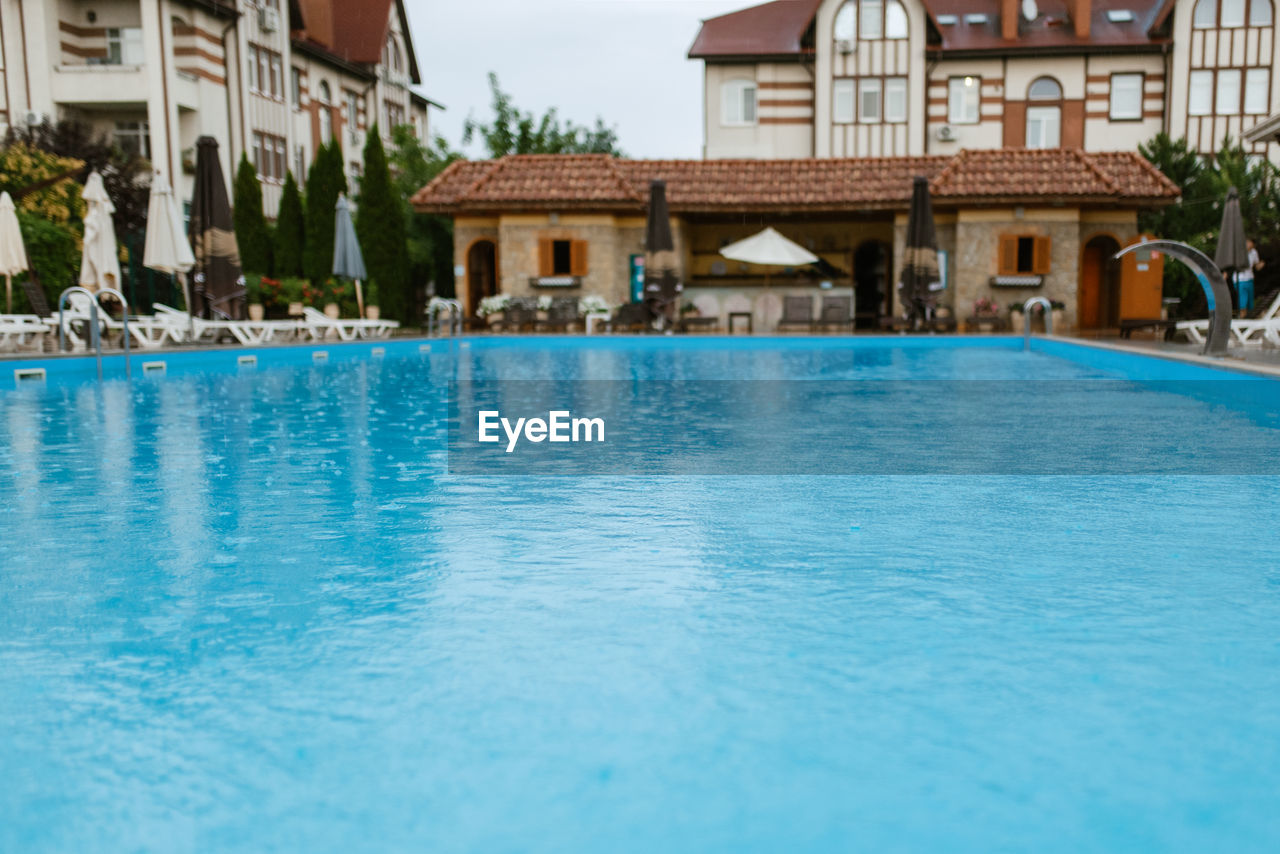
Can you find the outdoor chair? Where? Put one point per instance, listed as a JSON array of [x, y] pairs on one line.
[[837, 312], [562, 314], [627, 317], [1264, 327], [521, 312], [797, 311]]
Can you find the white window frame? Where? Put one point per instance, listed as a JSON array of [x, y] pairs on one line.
[[1257, 88], [895, 89], [140, 131], [844, 101], [1047, 119], [961, 110], [1126, 85], [845, 27], [1204, 77], [870, 91], [737, 99]]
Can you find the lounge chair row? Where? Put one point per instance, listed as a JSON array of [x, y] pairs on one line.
[[170, 326]]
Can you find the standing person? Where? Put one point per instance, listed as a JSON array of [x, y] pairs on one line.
[[1244, 279]]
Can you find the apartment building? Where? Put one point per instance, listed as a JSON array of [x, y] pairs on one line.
[[272, 79], [872, 78]]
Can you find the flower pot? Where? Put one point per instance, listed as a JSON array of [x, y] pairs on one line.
[[295, 309], [1016, 322], [1059, 321], [332, 311], [372, 312], [256, 312]]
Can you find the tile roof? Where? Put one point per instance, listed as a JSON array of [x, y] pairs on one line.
[[353, 30], [600, 182], [771, 29], [775, 29]]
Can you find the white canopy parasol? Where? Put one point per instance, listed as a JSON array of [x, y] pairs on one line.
[[769, 248], [100, 261], [167, 249], [13, 255]]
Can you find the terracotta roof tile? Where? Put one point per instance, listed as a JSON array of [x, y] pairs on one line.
[[600, 182], [771, 29]]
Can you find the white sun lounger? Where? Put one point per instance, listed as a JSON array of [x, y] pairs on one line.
[[247, 332], [320, 326], [22, 330], [1244, 332]]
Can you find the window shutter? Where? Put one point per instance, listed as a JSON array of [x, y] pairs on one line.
[[578, 258], [1008, 260], [1040, 256], [546, 257]]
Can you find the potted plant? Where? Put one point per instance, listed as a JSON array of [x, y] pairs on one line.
[[371, 309], [986, 314], [491, 308], [1015, 316], [1059, 315], [253, 290], [544, 306]]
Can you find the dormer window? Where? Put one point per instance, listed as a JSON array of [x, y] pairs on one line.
[[975, 19], [947, 20], [870, 20], [1119, 16]]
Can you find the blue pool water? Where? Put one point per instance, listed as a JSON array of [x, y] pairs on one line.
[[251, 609]]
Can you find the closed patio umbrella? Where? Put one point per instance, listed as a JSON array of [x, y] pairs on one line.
[[918, 288], [218, 282], [662, 286], [1231, 254], [347, 258], [13, 255], [167, 250], [100, 259]]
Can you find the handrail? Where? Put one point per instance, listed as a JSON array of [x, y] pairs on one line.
[[1211, 280], [434, 308], [1045, 306], [95, 335]]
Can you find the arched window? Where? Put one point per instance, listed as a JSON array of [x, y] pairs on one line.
[[738, 102], [1044, 113], [391, 57], [846, 27], [323, 93], [1229, 14], [870, 20]]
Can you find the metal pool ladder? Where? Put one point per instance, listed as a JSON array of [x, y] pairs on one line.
[[1026, 319], [439, 304], [94, 333]]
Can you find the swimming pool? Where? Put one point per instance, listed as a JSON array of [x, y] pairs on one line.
[[248, 607]]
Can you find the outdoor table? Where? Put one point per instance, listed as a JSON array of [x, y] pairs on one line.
[[734, 315]]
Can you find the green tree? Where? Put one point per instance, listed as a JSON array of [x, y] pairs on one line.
[[291, 234], [325, 182], [430, 236], [512, 131], [54, 253], [251, 226], [380, 227]]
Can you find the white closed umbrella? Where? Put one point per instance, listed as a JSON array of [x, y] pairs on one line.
[[770, 249], [167, 249], [100, 260], [13, 255]]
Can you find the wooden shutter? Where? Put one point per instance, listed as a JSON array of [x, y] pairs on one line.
[[1040, 256], [578, 258], [1008, 258], [546, 257]]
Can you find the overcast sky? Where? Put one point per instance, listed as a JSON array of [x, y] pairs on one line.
[[622, 60]]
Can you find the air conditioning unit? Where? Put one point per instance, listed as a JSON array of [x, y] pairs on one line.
[[268, 19], [946, 133], [846, 46], [31, 118]]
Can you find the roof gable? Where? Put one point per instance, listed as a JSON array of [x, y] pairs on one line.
[[771, 29]]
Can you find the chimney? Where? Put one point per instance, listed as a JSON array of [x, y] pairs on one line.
[[1081, 12], [1009, 19]]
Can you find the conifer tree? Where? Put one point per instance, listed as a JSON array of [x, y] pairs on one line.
[[325, 182], [380, 228], [250, 224], [290, 231]]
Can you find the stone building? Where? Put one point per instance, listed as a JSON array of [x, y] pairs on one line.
[[1012, 223]]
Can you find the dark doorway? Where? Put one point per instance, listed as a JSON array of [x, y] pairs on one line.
[[482, 273], [1099, 294], [871, 283]]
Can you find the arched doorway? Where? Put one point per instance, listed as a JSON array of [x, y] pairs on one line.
[[1099, 293], [871, 284], [482, 273]]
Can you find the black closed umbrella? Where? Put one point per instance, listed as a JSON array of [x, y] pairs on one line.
[[217, 280], [1232, 254], [920, 282], [662, 285]]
